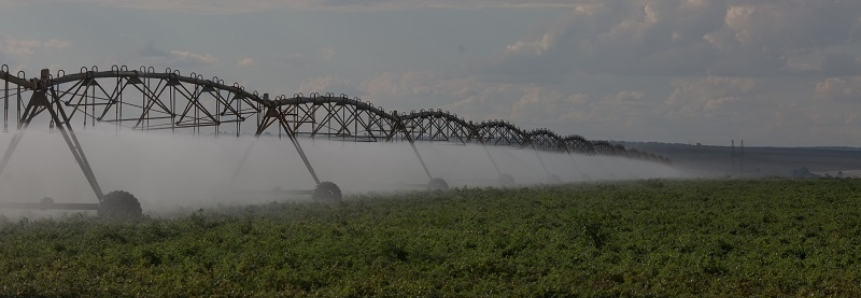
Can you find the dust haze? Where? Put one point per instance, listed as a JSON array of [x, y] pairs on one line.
[[169, 172]]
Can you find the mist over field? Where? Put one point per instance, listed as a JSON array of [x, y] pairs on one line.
[[169, 171]]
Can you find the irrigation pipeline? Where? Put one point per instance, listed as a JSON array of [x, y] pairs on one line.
[[146, 99]]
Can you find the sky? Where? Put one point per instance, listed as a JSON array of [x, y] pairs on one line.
[[771, 72]]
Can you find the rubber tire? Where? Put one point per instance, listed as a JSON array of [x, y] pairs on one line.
[[506, 180], [437, 184], [327, 192], [120, 205]]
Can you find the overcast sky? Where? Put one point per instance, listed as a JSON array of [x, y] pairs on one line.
[[773, 72]]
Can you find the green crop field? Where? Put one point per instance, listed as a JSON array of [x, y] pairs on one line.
[[653, 238]]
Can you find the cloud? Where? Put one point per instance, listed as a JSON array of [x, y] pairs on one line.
[[24, 48], [189, 59], [708, 97], [176, 59], [246, 62], [329, 84], [149, 50], [840, 89], [687, 37], [327, 53], [247, 6]]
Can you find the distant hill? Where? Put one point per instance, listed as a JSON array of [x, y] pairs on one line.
[[757, 161]]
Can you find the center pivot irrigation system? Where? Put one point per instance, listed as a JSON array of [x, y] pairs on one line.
[[148, 100]]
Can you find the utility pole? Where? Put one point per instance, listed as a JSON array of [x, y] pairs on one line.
[[732, 158], [741, 159]]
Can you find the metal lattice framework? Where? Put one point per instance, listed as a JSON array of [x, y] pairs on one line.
[[145, 99]]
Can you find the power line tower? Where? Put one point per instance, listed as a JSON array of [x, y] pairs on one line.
[[732, 157], [741, 159]]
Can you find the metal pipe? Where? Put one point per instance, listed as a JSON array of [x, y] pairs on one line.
[[50, 206]]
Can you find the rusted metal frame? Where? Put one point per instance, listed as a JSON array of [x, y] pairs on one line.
[[474, 134], [456, 131], [356, 120], [5, 69], [229, 102], [65, 127], [441, 132], [301, 152], [77, 86], [421, 160], [330, 116], [336, 111], [263, 125], [483, 135], [171, 126], [194, 98], [426, 128], [396, 125], [515, 138], [151, 98], [380, 131], [273, 115], [19, 102], [365, 124], [410, 125], [501, 136], [347, 119], [84, 97], [224, 101], [117, 93], [459, 131], [110, 99], [33, 109], [188, 106], [308, 116], [383, 126], [417, 128], [323, 123]]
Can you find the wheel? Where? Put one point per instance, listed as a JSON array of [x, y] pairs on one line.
[[438, 184], [554, 179], [506, 180], [120, 204], [326, 192]]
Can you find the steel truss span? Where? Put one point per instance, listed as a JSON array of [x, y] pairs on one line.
[[146, 99]]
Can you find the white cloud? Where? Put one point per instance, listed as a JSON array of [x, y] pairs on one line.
[[683, 37], [840, 89], [246, 62], [24, 48], [245, 6], [176, 59], [186, 58], [328, 84], [707, 97], [536, 48], [327, 53]]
